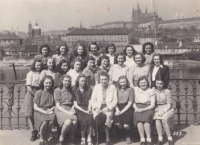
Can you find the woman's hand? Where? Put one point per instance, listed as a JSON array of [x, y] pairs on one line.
[[49, 111], [88, 112], [71, 112], [105, 110], [156, 110], [117, 113], [139, 110], [161, 113]]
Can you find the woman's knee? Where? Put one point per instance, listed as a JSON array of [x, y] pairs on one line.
[[74, 122], [164, 122], [68, 122], [127, 127]]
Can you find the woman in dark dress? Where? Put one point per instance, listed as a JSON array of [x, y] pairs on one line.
[[64, 111], [83, 108], [44, 109], [124, 112], [159, 71]]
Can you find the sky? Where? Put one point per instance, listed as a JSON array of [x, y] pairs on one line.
[[62, 14]]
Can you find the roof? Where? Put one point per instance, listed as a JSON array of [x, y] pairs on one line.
[[98, 32], [180, 45], [151, 14], [181, 20], [9, 36]]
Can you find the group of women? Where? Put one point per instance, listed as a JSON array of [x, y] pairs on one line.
[[63, 90]]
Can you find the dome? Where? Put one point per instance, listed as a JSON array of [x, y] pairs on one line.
[[36, 26]]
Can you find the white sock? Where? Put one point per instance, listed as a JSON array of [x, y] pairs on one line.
[[61, 139], [142, 139], [169, 138], [89, 139], [149, 139], [160, 138]]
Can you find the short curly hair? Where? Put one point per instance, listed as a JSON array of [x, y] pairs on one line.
[[110, 45], [142, 78], [142, 56], [145, 44], [44, 45], [102, 58], [124, 50], [93, 43], [62, 44], [84, 51], [77, 81], [119, 54], [33, 65], [160, 56], [127, 82], [43, 79], [60, 83], [58, 67]]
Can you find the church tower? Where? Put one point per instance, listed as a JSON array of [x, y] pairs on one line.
[[30, 30], [133, 15]]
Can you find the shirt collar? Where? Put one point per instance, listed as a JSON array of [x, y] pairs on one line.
[[117, 66]]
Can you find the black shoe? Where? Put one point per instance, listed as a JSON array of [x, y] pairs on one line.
[[148, 143], [108, 143], [34, 135], [142, 143], [159, 142], [41, 143], [171, 142], [71, 142]]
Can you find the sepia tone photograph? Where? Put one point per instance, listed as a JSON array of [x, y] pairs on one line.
[[99, 72]]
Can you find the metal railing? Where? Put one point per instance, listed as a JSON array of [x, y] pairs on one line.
[[185, 92]]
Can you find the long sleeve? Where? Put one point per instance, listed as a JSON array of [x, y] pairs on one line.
[[130, 76], [94, 97], [166, 77], [149, 77], [113, 104]]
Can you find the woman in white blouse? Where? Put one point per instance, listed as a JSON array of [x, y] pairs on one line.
[[129, 52]]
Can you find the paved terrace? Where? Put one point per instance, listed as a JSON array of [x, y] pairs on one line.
[[183, 135]]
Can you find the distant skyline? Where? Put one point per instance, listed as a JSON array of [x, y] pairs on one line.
[[62, 14]]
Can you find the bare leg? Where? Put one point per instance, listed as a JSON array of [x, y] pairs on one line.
[[140, 127], [43, 129], [89, 131], [65, 128], [30, 120], [159, 129], [166, 128], [50, 126], [107, 134], [73, 129], [147, 128]]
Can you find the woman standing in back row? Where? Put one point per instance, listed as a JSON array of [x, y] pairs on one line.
[[148, 52]]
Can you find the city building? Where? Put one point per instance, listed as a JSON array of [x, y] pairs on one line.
[[34, 31], [117, 36], [10, 38], [151, 39]]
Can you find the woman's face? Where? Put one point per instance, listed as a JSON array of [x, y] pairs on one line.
[[123, 83], [38, 66], [91, 64], [82, 81], [129, 51], [47, 84], [63, 50], [143, 84], [148, 49], [50, 64], [111, 50], [93, 49], [44, 51], [138, 59], [80, 50], [159, 85], [120, 59], [77, 66], [66, 82], [104, 63], [64, 67], [156, 60]]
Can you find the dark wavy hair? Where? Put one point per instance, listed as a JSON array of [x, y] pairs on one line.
[[62, 44], [103, 73], [102, 58], [43, 79], [44, 45], [93, 43], [142, 78], [53, 62], [124, 50], [115, 58], [58, 67], [142, 56], [110, 45], [33, 65], [86, 87], [84, 51], [145, 44], [127, 82], [89, 58], [160, 56], [60, 83], [75, 60]]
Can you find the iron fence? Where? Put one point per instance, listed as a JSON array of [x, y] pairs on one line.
[[185, 92]]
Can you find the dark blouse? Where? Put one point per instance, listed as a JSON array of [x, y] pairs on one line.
[[83, 97], [63, 96], [125, 96], [44, 99], [90, 74]]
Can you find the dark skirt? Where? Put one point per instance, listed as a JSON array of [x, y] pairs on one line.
[[27, 107], [62, 117], [83, 118], [126, 117], [146, 116], [39, 118]]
